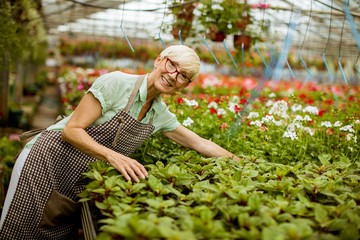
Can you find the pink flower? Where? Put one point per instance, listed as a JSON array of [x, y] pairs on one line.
[[262, 5], [224, 125], [253, 6], [81, 86], [14, 137]]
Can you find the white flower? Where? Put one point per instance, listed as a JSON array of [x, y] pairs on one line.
[[253, 115], [213, 105], [351, 149], [221, 111], [231, 107], [188, 122], [291, 127], [298, 118], [279, 108], [326, 124], [191, 102], [296, 107], [269, 103], [272, 95], [337, 124], [307, 118], [311, 110], [291, 135], [350, 136], [257, 123], [308, 130], [278, 123], [268, 118], [347, 128], [235, 98], [357, 121]]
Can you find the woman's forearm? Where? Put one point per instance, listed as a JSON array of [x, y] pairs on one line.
[[78, 138], [211, 149]]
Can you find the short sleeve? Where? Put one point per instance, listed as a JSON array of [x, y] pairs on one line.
[[104, 88], [168, 121]]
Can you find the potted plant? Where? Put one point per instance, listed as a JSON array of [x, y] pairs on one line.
[[223, 17], [183, 18]]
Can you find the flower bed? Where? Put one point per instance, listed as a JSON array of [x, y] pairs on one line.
[[299, 177]]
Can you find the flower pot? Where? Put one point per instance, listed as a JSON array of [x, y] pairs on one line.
[[215, 34], [239, 39]]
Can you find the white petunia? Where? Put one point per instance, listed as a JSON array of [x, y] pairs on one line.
[[191, 102], [311, 110], [231, 107], [337, 124], [253, 115], [221, 111], [350, 136], [268, 119], [272, 95], [278, 123], [269, 103], [347, 128], [357, 121], [279, 108], [291, 135], [298, 118], [307, 118], [309, 131], [213, 105], [296, 107], [257, 123], [326, 124], [188, 122]]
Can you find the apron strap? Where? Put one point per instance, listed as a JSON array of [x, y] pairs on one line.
[[134, 93]]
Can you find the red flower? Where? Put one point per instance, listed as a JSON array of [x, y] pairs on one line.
[[220, 116], [213, 110], [179, 100], [242, 101], [249, 123], [330, 102], [237, 108], [302, 95], [329, 131], [211, 99], [224, 125], [342, 135], [358, 100], [321, 113], [64, 99], [310, 101], [218, 100], [351, 98]]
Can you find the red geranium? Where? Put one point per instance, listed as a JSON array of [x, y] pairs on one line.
[[321, 113], [179, 100], [213, 110]]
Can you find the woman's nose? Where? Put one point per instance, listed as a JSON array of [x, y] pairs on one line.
[[173, 75]]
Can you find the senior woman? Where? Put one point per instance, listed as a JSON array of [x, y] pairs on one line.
[[116, 115]]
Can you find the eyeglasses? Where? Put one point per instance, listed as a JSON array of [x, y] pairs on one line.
[[181, 78]]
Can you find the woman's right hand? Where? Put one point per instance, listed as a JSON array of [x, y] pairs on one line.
[[127, 166]]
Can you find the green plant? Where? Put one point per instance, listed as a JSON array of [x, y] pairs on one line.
[[225, 16]]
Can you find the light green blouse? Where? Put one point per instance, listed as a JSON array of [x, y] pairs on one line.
[[113, 91]]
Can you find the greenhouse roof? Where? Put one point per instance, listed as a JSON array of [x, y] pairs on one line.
[[319, 25]]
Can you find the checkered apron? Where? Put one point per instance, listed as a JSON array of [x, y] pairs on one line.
[[53, 164]]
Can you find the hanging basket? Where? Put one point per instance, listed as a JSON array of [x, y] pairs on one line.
[[215, 34], [239, 39], [185, 31]]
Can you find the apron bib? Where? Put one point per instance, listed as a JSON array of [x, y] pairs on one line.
[[44, 204]]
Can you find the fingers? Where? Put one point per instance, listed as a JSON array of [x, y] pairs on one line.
[[130, 168]]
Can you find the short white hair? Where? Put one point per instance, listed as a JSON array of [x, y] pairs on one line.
[[185, 57]]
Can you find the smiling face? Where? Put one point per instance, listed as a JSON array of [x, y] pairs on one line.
[[164, 81]]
